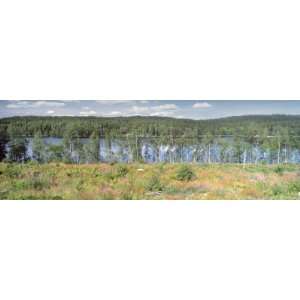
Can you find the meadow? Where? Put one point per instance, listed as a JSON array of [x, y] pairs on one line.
[[132, 181]]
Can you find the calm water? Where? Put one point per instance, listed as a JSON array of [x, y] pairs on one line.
[[151, 152]]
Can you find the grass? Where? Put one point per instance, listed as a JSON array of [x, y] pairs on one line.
[[185, 173], [148, 181]]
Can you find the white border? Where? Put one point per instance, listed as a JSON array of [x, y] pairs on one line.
[[149, 250], [131, 50], [162, 49]]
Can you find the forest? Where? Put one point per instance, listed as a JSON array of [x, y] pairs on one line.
[[151, 126], [244, 139]]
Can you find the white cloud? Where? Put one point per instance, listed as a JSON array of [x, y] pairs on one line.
[[18, 104], [35, 104], [162, 114], [136, 107], [201, 105], [12, 106], [140, 109], [47, 103], [131, 102], [114, 101], [165, 107], [87, 113], [115, 113]]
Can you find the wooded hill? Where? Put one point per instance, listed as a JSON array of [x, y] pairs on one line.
[[272, 138], [248, 126]]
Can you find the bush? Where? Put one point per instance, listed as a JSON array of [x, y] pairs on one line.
[[38, 183], [294, 187], [278, 190], [154, 184], [12, 171], [80, 185], [122, 171], [20, 184], [279, 170], [185, 173]]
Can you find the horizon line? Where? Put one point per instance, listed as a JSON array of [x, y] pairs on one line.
[[144, 116]]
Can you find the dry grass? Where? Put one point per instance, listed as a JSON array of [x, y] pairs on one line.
[[147, 181]]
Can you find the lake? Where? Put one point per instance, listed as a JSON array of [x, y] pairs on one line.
[[152, 151]]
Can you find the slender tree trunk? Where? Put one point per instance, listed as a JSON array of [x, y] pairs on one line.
[[278, 153], [209, 153], [285, 154], [129, 149], [136, 146], [256, 155], [244, 160], [181, 153]]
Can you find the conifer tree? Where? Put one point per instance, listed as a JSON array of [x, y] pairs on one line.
[[39, 148], [92, 149], [17, 146]]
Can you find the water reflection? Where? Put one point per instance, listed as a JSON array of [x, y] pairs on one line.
[[153, 151]]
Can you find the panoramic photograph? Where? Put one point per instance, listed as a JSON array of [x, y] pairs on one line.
[[149, 150]]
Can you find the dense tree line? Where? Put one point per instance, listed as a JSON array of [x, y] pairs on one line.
[[276, 134], [151, 126]]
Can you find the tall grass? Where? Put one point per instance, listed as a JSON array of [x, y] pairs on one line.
[[152, 181]]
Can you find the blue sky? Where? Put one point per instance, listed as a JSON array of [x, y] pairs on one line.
[[176, 109]]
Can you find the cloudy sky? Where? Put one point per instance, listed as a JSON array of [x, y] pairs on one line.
[[176, 109]]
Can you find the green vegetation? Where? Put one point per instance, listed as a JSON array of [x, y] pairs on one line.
[[276, 136], [71, 169], [121, 170], [247, 126], [185, 173], [148, 181], [154, 184]]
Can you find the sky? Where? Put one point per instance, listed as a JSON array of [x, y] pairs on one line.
[[167, 108]]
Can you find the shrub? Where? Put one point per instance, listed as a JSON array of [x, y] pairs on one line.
[[122, 171], [279, 170], [154, 184], [294, 187], [12, 171], [278, 190], [185, 173], [79, 185], [20, 184], [38, 183]]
